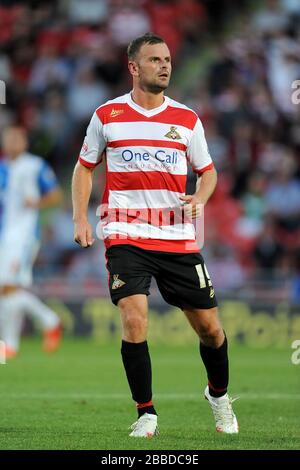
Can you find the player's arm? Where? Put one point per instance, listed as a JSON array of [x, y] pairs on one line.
[[50, 194], [90, 156], [206, 184], [52, 198], [82, 183], [202, 164], [205, 187]]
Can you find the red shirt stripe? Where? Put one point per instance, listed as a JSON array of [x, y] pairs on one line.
[[171, 246], [122, 112], [131, 180], [147, 142]]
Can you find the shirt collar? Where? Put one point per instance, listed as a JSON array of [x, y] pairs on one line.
[[147, 112]]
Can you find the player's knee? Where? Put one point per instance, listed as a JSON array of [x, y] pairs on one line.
[[134, 328], [133, 320], [211, 333]]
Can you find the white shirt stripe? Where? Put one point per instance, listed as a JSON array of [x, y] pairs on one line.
[[144, 130], [166, 232], [167, 160], [143, 199]]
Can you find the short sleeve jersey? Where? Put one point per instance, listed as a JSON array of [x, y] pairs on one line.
[[28, 177], [147, 153]]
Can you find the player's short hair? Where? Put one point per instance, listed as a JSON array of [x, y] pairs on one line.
[[135, 45]]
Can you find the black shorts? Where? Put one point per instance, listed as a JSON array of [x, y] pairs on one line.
[[182, 278]]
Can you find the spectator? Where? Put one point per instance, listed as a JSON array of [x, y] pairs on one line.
[[268, 252]]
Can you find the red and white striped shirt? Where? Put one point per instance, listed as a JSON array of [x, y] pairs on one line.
[[146, 153]]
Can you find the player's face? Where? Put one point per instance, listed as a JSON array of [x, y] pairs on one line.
[[14, 142], [153, 67]]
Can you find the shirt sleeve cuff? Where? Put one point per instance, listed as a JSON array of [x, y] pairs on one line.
[[205, 168], [86, 163]]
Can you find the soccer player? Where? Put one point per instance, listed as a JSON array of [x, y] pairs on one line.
[[147, 139], [27, 184]]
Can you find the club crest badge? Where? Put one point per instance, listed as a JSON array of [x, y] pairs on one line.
[[173, 134], [117, 282]]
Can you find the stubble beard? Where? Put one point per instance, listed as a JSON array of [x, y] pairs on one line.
[[154, 88]]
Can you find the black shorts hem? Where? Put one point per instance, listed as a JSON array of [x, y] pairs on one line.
[[200, 307], [115, 298]]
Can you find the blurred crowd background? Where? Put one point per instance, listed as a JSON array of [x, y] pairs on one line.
[[234, 64]]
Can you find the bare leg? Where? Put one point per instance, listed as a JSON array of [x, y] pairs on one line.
[[207, 325]]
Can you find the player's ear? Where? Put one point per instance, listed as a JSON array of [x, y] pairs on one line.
[[133, 68]]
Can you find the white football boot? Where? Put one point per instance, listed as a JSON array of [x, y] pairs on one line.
[[224, 416], [145, 426]]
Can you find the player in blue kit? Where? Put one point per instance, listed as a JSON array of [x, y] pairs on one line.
[[27, 184]]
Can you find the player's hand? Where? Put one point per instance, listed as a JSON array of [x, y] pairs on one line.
[[83, 234], [192, 206]]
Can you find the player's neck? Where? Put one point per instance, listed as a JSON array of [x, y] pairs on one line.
[[147, 100]]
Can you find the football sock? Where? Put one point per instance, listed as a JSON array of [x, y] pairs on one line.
[[137, 364], [11, 318], [38, 310], [216, 364], [143, 408]]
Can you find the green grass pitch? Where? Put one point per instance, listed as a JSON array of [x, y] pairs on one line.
[[78, 398]]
